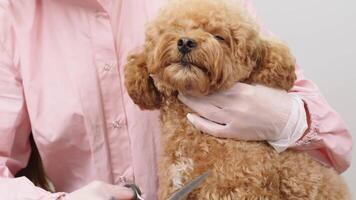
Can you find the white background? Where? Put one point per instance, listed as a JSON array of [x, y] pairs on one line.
[[322, 36]]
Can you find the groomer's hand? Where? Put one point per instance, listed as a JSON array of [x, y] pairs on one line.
[[97, 190], [251, 113]]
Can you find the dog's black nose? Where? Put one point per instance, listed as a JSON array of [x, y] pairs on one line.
[[185, 45]]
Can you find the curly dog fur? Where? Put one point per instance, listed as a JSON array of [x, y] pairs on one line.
[[229, 48]]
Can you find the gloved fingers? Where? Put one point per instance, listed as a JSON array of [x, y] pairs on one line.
[[206, 126], [220, 100], [239, 86], [204, 108], [225, 98]]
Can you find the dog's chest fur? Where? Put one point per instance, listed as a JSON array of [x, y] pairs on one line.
[[187, 153]]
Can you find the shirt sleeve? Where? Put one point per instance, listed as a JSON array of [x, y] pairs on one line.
[[327, 138], [14, 122]]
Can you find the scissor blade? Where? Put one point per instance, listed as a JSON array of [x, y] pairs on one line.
[[184, 191]]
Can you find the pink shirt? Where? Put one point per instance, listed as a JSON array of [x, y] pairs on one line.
[[61, 76]]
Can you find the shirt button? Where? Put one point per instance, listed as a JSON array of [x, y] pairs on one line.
[[122, 179], [116, 124], [107, 67]]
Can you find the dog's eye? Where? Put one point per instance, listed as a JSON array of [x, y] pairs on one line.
[[218, 37]]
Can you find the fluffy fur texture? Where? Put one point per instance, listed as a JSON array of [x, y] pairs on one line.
[[229, 49]]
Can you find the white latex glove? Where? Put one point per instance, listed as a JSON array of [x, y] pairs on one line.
[[97, 190], [251, 113]]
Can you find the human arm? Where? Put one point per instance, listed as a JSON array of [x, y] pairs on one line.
[[327, 138]]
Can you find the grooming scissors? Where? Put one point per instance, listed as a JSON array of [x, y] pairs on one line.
[[183, 193]]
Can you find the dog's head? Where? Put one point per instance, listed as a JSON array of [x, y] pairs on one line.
[[196, 47], [199, 46]]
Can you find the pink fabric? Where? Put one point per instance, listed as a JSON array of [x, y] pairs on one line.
[[327, 140], [61, 76]]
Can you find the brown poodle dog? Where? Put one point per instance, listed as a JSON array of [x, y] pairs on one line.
[[198, 47]]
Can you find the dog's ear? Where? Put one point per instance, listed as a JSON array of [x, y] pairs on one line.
[[266, 61], [275, 65], [139, 84]]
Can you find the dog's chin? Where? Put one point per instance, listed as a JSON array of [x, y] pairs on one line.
[[187, 78]]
